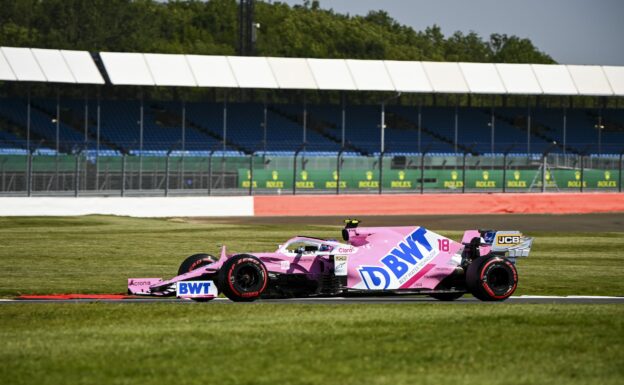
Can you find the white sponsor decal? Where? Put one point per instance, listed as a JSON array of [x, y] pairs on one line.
[[196, 289], [340, 265]]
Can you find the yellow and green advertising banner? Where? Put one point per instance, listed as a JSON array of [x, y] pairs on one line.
[[434, 179]]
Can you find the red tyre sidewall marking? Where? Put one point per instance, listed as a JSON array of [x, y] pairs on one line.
[[253, 293], [487, 287], [198, 262]]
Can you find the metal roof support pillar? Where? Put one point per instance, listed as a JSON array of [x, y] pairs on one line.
[[419, 125], [28, 122], [183, 125], [97, 144], [600, 127], [224, 121], [492, 128], [86, 120], [456, 127], [305, 121], [344, 121], [528, 125], [141, 116], [383, 127], [56, 156], [264, 129], [565, 129], [58, 119]]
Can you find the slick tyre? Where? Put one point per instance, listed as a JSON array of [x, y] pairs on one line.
[[492, 278], [446, 296], [194, 262], [243, 278]]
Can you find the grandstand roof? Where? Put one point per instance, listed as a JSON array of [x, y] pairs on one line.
[[48, 65], [139, 69], [386, 75]]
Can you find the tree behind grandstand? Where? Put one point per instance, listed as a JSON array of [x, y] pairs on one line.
[[198, 27]]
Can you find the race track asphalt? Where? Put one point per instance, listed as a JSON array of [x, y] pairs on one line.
[[603, 222]]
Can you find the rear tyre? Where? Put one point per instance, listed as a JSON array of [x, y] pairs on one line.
[[492, 278], [446, 296], [243, 278], [194, 262]]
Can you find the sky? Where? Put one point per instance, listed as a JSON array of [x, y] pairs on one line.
[[570, 31]]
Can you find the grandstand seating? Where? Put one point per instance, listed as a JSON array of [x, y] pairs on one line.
[[119, 129]]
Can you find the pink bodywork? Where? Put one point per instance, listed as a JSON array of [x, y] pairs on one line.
[[378, 258]]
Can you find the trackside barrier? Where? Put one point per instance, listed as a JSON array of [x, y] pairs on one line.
[[438, 204], [128, 206], [317, 205]]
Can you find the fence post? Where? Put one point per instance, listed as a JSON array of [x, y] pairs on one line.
[[620, 172], [381, 155], [123, 174], [464, 173], [28, 174], [504, 172], [294, 179], [77, 174], [167, 174], [4, 175], [338, 159], [544, 173], [582, 172], [422, 173], [251, 163], [210, 172]]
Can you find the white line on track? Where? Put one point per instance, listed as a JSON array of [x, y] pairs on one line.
[[566, 296]]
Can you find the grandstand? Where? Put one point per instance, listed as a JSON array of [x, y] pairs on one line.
[[423, 107]]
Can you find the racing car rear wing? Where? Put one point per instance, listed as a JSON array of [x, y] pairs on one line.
[[513, 243]]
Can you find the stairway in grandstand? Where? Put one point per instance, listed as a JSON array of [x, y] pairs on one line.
[[396, 121], [168, 117], [545, 133], [320, 126], [71, 128]]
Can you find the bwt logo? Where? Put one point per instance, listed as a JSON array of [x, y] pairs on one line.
[[192, 288], [398, 262], [508, 239]]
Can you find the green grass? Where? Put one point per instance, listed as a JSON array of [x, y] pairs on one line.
[[311, 344], [420, 343], [95, 254]]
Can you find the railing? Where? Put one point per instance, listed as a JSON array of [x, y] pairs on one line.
[[216, 174]]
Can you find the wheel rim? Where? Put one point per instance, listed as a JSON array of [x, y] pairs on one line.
[[499, 280], [246, 277]]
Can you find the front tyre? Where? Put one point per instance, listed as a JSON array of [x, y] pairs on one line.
[[492, 278], [194, 262], [243, 278]]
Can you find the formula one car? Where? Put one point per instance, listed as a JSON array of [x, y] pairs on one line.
[[370, 261]]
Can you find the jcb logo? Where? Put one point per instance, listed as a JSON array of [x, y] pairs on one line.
[[508, 239]]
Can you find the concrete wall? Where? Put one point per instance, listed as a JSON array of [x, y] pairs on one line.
[[320, 205]]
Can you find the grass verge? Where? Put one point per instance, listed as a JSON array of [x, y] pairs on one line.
[[96, 254], [311, 344]]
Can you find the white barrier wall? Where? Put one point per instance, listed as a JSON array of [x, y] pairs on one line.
[[129, 206]]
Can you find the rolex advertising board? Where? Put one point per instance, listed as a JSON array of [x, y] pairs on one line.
[[515, 180]]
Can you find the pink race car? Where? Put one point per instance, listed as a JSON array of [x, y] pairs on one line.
[[370, 261]]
